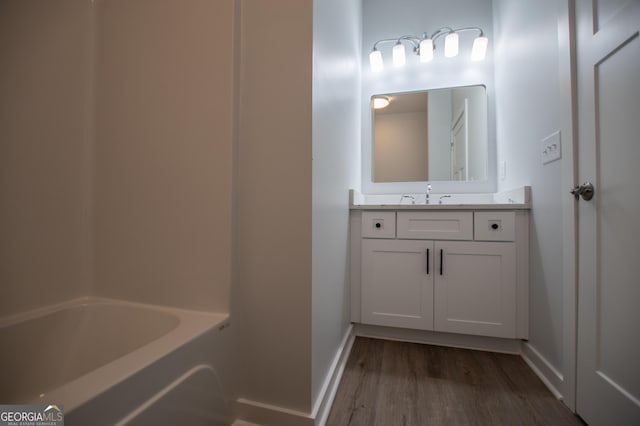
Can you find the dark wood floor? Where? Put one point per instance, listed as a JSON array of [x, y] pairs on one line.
[[388, 383]]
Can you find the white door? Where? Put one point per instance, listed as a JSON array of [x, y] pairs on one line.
[[459, 141], [608, 364], [397, 283], [475, 288]]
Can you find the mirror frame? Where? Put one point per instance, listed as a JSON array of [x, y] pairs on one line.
[[445, 186]]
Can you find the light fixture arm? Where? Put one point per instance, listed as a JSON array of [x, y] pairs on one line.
[[440, 32], [415, 41]]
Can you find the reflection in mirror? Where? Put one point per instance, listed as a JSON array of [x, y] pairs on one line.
[[432, 135]]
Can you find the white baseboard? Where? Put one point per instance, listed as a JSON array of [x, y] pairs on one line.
[[324, 401], [262, 414], [549, 375], [242, 423], [493, 344]]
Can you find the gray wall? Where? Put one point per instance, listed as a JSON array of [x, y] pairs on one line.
[[439, 134], [401, 148], [116, 152], [162, 155], [45, 147], [271, 302], [528, 99], [336, 156], [298, 141]]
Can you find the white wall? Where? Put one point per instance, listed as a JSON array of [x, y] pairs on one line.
[[336, 159], [388, 19], [528, 99], [162, 157], [45, 52], [400, 150], [271, 300], [439, 134]]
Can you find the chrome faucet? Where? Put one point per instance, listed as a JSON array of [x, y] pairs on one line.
[[443, 196], [426, 198]]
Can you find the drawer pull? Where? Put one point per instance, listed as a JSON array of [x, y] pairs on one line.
[[427, 261], [441, 257], [494, 226]]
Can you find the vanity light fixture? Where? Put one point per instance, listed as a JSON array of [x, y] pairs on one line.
[[375, 60], [399, 58], [424, 46], [379, 102], [451, 45], [479, 49], [426, 50]]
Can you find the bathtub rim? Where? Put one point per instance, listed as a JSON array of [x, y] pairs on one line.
[[76, 392], [16, 318]]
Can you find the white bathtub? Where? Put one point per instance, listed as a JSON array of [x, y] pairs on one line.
[[109, 361]]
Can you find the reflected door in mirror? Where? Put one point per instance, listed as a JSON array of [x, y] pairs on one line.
[[431, 135]]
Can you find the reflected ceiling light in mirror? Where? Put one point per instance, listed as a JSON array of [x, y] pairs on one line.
[[379, 102], [425, 46]]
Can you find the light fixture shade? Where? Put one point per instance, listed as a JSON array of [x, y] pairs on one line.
[[399, 58], [379, 102], [451, 45], [375, 61], [426, 50], [479, 49]]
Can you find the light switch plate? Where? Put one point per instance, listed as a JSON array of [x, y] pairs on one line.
[[550, 148]]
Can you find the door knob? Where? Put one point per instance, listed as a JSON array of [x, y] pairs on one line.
[[585, 191]]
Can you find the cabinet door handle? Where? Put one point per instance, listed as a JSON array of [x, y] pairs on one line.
[[427, 261], [441, 257]]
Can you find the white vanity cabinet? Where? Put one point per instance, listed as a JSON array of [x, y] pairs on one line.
[[459, 271], [397, 283], [475, 288]]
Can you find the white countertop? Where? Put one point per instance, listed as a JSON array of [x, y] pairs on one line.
[[518, 199]]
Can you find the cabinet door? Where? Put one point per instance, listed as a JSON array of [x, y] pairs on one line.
[[397, 283], [475, 288]]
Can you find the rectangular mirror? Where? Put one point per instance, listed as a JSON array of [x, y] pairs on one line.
[[433, 135]]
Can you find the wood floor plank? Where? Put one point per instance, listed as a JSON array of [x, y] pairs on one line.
[[388, 383]]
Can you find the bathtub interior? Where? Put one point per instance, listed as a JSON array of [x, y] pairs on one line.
[[113, 362], [65, 344]]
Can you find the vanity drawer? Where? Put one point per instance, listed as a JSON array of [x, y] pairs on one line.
[[449, 225], [379, 224], [494, 226]]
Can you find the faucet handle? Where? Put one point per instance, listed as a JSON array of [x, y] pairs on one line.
[[413, 199], [443, 196]]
